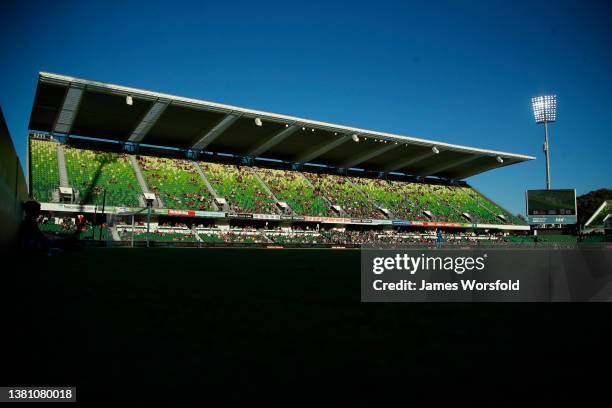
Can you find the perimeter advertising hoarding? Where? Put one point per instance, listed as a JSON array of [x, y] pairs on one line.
[[77, 208], [551, 206]]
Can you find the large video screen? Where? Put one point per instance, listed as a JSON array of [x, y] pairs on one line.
[[551, 206]]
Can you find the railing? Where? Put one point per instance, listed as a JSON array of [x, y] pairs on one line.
[[415, 245]]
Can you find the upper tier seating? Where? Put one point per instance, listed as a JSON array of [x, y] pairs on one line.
[[339, 190], [239, 187], [44, 168], [177, 182], [494, 208], [389, 196], [92, 171], [466, 200], [294, 189], [426, 197], [179, 186]]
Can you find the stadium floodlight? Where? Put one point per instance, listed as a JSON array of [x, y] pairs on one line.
[[355, 138], [499, 159], [544, 108], [545, 111], [129, 100], [258, 122], [435, 150]]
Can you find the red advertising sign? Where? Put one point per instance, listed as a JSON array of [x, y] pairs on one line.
[[184, 213]]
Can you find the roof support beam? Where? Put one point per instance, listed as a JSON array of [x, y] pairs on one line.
[[368, 155], [209, 136], [70, 108], [273, 140], [320, 149], [400, 164], [446, 165], [148, 121]]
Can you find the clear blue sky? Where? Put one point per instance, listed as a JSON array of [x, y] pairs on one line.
[[456, 71]]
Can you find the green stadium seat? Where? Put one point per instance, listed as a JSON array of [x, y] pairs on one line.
[[239, 187], [339, 190], [291, 187], [177, 182], [91, 172], [44, 169]]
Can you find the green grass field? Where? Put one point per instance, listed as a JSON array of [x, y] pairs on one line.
[[121, 323]]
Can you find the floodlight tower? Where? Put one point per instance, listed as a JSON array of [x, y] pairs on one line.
[[545, 111]]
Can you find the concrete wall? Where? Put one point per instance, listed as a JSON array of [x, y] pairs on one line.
[[13, 187]]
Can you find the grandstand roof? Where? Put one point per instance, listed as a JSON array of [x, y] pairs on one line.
[[600, 215], [73, 106]]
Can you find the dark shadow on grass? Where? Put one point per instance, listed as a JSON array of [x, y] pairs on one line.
[[103, 159]]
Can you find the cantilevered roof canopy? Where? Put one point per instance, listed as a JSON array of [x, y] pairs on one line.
[[73, 106]]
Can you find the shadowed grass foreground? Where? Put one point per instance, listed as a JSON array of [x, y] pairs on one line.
[[160, 323]]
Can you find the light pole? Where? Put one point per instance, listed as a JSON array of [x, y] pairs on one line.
[[545, 111]]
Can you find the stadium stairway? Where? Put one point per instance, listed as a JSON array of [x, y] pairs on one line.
[[61, 162], [380, 207], [510, 219], [329, 204], [454, 208], [490, 211], [415, 205], [142, 182], [268, 191], [210, 188]]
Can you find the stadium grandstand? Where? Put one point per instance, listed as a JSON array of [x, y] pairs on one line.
[[201, 172]]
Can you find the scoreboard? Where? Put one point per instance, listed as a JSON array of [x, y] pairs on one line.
[[551, 206]]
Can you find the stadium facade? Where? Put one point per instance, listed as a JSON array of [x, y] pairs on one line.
[[101, 148]]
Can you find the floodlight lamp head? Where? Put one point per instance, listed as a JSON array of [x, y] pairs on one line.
[[129, 100], [499, 159], [355, 138], [544, 108], [435, 150], [258, 122]]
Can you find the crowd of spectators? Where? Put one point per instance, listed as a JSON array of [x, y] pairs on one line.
[[67, 227], [294, 189], [176, 182], [240, 188], [98, 174], [390, 196], [340, 191]]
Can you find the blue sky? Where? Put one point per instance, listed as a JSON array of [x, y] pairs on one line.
[[456, 71]]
